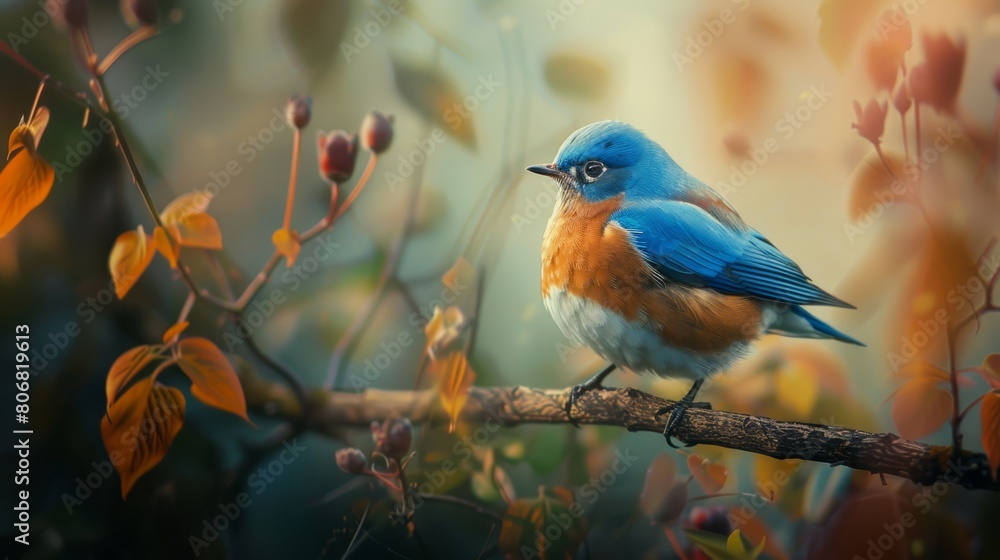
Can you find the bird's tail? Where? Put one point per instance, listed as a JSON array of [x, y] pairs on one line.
[[799, 323]]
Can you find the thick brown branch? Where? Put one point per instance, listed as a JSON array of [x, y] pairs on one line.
[[637, 411]]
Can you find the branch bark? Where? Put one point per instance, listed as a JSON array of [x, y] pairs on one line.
[[495, 407]]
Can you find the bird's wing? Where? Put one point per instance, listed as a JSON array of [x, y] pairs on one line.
[[686, 244]]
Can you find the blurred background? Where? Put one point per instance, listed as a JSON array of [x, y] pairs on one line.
[[754, 97]]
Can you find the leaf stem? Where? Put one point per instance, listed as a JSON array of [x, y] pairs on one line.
[[133, 39]]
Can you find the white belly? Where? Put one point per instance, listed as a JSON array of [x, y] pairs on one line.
[[633, 344]]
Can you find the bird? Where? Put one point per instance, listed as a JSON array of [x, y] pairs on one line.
[[656, 272]]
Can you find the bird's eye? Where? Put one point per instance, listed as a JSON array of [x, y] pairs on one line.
[[593, 169]]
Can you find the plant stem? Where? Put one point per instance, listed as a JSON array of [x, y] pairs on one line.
[[292, 176]]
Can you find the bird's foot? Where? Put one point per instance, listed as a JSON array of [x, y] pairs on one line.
[[676, 414], [595, 382]]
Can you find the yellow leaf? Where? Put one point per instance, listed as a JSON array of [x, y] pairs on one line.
[[128, 259], [214, 380], [287, 244], [29, 135], [184, 206], [454, 378], [989, 415], [771, 475], [139, 428], [25, 182], [577, 76], [199, 230], [920, 407], [797, 388], [174, 331], [736, 547], [443, 330], [126, 367], [169, 250]]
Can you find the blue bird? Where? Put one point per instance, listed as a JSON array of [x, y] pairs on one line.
[[656, 272]]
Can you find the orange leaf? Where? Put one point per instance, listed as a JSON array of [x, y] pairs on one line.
[[710, 476], [214, 380], [174, 331], [989, 414], [129, 258], [139, 428], [921, 406], [25, 182], [526, 520], [199, 230], [454, 378], [287, 244], [126, 367], [169, 250], [459, 276], [872, 187]]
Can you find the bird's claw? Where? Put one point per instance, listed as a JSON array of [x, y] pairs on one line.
[[574, 395], [676, 414]]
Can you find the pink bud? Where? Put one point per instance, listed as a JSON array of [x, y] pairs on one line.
[[393, 437], [351, 460], [139, 12], [338, 152], [901, 101], [376, 132]]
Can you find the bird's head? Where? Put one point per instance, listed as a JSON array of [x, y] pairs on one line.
[[608, 158]]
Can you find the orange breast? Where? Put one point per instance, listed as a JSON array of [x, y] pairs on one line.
[[584, 255]]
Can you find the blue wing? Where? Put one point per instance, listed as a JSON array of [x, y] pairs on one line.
[[688, 245]]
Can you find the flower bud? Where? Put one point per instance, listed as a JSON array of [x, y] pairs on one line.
[[337, 153], [299, 110], [376, 132], [71, 13], [139, 12], [351, 460], [901, 101], [393, 437]]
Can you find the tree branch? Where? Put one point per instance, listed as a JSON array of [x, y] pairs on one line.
[[878, 453]]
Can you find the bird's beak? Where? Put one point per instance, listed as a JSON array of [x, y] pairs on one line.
[[548, 170]]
